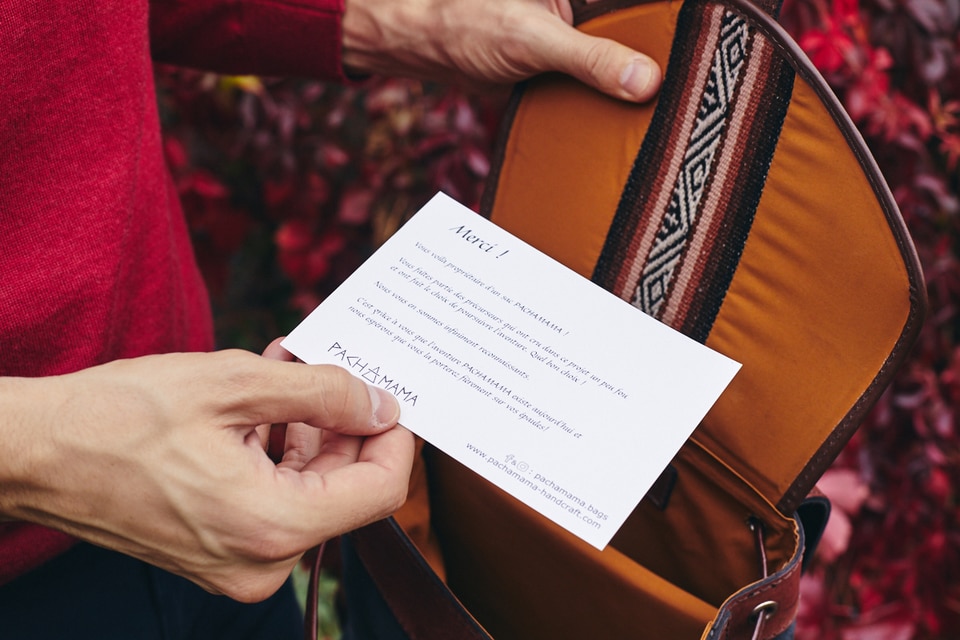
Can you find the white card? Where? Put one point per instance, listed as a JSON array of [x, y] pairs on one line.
[[545, 384]]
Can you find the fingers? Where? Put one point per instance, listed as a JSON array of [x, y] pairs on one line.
[[354, 481], [275, 352], [603, 64], [355, 493], [263, 391], [314, 505], [273, 436], [301, 443], [305, 443]]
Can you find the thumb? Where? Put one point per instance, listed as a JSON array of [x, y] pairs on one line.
[[603, 64], [323, 396], [384, 406]]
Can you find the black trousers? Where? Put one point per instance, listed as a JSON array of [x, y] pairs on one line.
[[92, 593]]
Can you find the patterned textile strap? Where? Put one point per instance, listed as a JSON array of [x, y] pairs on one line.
[[691, 196]]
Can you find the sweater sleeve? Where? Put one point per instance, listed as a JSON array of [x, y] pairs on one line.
[[262, 37]]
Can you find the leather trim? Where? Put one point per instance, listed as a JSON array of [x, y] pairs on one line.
[[824, 456], [489, 195], [422, 604], [737, 617], [584, 11]]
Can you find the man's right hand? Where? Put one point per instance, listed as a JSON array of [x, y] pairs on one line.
[[159, 458]]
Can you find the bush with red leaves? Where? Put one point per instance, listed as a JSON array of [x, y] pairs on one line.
[[288, 185]]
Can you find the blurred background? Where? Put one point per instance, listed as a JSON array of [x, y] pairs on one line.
[[289, 185]]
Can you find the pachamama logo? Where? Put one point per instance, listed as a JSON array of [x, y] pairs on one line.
[[363, 368]]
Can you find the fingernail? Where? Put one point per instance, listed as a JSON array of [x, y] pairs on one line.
[[636, 76], [386, 410]]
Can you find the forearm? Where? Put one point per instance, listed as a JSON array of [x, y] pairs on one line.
[[68, 441]]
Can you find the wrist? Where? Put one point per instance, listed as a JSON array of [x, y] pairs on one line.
[[25, 446], [386, 37]]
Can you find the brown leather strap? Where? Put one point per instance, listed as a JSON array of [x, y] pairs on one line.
[[311, 623], [764, 609], [423, 605], [776, 600]]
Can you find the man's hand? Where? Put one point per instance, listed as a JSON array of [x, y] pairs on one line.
[[160, 458], [491, 42]]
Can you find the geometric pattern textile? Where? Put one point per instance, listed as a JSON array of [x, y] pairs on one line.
[[689, 201]]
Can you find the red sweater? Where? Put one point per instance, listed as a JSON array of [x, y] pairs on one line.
[[96, 262]]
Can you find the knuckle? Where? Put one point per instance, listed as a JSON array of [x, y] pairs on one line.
[[260, 568], [338, 387], [395, 495], [335, 379], [267, 548], [234, 372], [596, 62], [398, 500], [250, 586], [237, 368]]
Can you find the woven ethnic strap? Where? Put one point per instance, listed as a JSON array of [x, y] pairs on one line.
[[690, 198]]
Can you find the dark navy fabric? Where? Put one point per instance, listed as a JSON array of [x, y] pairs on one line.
[[368, 615], [92, 593]]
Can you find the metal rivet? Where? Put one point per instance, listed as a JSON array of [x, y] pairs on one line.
[[767, 608]]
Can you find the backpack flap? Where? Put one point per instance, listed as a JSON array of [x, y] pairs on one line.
[[742, 208]]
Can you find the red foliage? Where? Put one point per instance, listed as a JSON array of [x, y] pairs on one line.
[[289, 185]]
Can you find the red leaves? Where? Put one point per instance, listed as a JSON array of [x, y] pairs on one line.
[[288, 185], [304, 257], [946, 124], [829, 48]]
